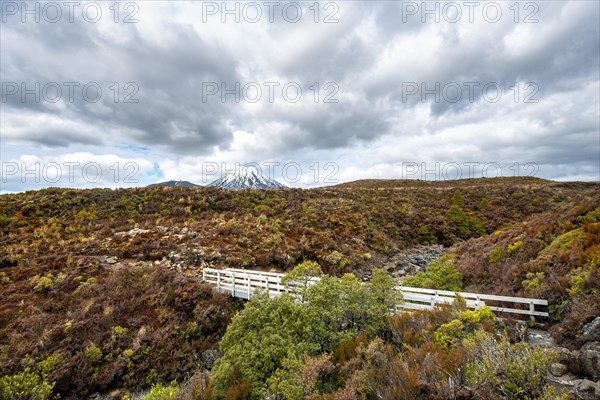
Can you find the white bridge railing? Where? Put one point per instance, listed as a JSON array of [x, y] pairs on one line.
[[243, 284]]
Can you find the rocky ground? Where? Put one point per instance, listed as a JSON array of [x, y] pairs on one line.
[[410, 261], [576, 370]]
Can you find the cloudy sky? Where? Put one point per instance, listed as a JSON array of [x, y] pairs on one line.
[[131, 93]]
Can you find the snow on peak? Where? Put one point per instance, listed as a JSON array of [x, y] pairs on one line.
[[246, 177]]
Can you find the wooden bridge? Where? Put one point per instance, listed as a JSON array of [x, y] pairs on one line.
[[243, 284]]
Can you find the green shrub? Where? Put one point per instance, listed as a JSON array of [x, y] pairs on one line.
[[426, 236], [93, 354], [265, 343], [533, 281], [448, 334], [159, 392], [4, 278], [516, 246], [567, 240], [298, 279], [484, 204], [468, 226], [440, 274], [337, 258], [50, 364], [496, 255], [26, 385], [504, 370], [42, 283]]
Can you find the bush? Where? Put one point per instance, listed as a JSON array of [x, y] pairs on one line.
[[468, 226], [50, 364], [26, 385], [448, 334], [93, 354], [159, 392], [42, 283], [265, 344], [516, 246], [496, 255], [440, 274], [507, 371]]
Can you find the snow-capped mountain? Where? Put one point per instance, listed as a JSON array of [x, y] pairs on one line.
[[246, 178]]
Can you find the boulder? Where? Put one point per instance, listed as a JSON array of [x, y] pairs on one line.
[[591, 331], [585, 388], [558, 369], [565, 355], [589, 360]]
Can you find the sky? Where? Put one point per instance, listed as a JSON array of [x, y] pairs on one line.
[[122, 94]]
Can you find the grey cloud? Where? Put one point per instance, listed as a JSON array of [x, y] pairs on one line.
[[172, 117]]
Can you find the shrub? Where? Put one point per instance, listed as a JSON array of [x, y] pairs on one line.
[[426, 235], [496, 255], [440, 274], [42, 283], [516, 246], [507, 371], [533, 281], [159, 392], [567, 240], [468, 226], [50, 364], [448, 334], [26, 385], [4, 278], [265, 343], [484, 204], [299, 278], [93, 354], [338, 259]]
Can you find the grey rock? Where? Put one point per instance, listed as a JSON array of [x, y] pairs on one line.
[[589, 360], [413, 260], [591, 332], [558, 369], [584, 385], [209, 357], [565, 355], [539, 337]]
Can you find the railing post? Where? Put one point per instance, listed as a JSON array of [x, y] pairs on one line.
[[219, 281], [532, 310], [233, 284], [249, 290], [203, 275], [434, 299], [267, 286]]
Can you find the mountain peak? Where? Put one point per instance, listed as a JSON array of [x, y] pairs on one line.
[[246, 177], [174, 183]]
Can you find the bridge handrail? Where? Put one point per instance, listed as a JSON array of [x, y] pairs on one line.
[[242, 283], [481, 296]]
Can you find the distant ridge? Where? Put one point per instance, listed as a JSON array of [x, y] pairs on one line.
[[246, 178], [174, 183], [465, 182]]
